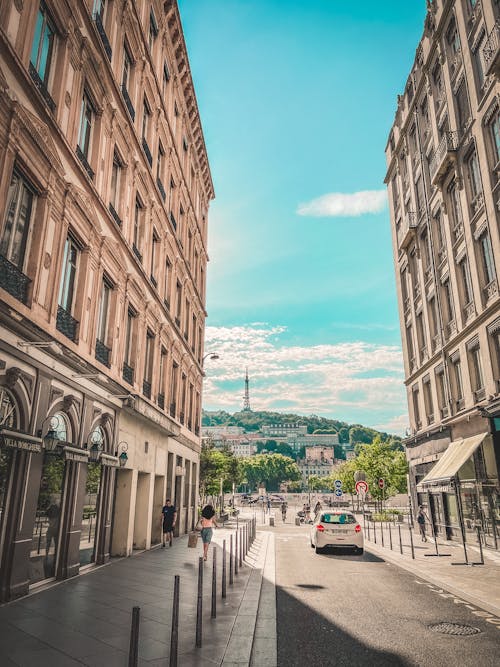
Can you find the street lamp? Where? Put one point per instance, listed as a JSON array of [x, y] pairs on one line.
[[213, 356], [51, 439]]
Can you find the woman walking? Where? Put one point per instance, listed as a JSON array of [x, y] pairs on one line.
[[208, 523]]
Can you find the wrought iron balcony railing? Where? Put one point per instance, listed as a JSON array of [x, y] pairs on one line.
[[491, 49], [102, 353], [66, 323], [147, 152], [103, 36], [181, 417], [128, 373], [160, 399], [13, 281], [146, 388], [128, 102], [83, 159], [173, 408], [405, 232], [115, 215], [443, 153]]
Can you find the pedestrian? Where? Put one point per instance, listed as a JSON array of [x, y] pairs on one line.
[[169, 517], [268, 504], [283, 511], [208, 523], [317, 508], [421, 523]]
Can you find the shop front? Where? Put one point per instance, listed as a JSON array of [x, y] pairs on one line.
[[462, 491]]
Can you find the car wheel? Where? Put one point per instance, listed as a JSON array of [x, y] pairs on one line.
[[312, 545], [318, 550], [360, 552]]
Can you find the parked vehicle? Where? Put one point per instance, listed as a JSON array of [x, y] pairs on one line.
[[336, 529]]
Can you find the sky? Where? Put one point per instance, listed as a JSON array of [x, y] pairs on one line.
[[296, 101]]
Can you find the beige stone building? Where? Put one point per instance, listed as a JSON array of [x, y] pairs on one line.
[[443, 176], [104, 195]]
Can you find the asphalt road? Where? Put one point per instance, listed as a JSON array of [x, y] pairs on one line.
[[341, 609]]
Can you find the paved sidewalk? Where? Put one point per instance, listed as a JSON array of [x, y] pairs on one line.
[[477, 584], [86, 620]]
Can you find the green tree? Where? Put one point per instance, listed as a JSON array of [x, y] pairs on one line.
[[271, 469], [215, 465], [316, 483], [360, 433], [285, 449], [344, 435]]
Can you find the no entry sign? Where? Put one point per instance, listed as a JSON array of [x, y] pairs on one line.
[[381, 483], [361, 486]]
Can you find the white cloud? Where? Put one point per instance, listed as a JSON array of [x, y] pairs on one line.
[[397, 425], [357, 382], [339, 204]]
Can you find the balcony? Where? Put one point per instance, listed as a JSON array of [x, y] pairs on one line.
[[172, 409], [181, 417], [451, 329], [435, 343], [83, 159], [480, 394], [490, 291], [128, 373], [444, 412], [146, 388], [115, 215], [406, 231], [477, 204], [13, 281], [137, 252], [102, 353], [161, 189], [469, 311], [443, 156], [103, 36], [42, 88], [128, 103], [147, 152], [491, 51], [66, 324], [460, 404], [160, 399]]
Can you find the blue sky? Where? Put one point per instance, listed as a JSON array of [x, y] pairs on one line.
[[296, 100]]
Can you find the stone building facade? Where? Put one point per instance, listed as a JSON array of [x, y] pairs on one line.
[[443, 177], [104, 195]]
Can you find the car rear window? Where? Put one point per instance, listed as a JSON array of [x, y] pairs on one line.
[[338, 518]]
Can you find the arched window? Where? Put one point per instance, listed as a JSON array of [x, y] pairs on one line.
[[9, 414], [59, 424]]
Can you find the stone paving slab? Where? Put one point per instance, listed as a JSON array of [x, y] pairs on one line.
[[86, 620]]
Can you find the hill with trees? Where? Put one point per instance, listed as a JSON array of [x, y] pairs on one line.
[[353, 434]]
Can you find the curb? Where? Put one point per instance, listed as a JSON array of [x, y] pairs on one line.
[[265, 640]]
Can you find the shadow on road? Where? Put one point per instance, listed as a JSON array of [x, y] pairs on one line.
[[337, 554], [306, 637]]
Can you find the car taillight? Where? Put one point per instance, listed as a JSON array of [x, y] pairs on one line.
[[357, 529], [320, 528]]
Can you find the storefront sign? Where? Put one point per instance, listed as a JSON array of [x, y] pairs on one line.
[[442, 488], [75, 454], [22, 441], [108, 460]]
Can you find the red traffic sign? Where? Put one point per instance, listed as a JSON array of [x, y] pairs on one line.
[[381, 483], [361, 486]]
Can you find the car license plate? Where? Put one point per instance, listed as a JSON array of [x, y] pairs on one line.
[[341, 531]]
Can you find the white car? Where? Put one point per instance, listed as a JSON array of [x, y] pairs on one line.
[[336, 529]]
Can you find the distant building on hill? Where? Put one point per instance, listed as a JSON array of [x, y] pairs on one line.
[[320, 454], [296, 441], [283, 430]]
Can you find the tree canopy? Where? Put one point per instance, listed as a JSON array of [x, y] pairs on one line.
[[270, 469]]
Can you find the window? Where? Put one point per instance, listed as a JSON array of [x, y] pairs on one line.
[[462, 105], [410, 348], [419, 195], [186, 318], [159, 162], [440, 235], [433, 320], [448, 308], [495, 136], [487, 261], [100, 8], [421, 335], [395, 192], [416, 407], [457, 380], [453, 39], [145, 119], [441, 391], [476, 368], [138, 216], [43, 44], [494, 333], [114, 193], [178, 303], [68, 276], [153, 30], [86, 121], [166, 77], [468, 295], [478, 58], [154, 246], [161, 378], [129, 342], [173, 396], [168, 271], [148, 363], [102, 326], [127, 69], [429, 406], [474, 175], [20, 199], [455, 210]]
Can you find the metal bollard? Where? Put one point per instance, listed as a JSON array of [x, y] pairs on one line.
[[375, 532], [400, 543], [411, 542], [199, 605], [480, 545], [236, 553], [223, 568], [390, 536], [174, 637], [230, 560], [133, 653], [368, 524], [213, 611], [241, 548], [382, 531]]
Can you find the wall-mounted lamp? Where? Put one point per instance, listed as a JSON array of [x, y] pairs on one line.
[[122, 457], [96, 446], [51, 439]]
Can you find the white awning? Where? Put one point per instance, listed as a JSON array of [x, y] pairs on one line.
[[458, 452]]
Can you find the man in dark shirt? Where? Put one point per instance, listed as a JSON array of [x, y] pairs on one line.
[[169, 517]]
